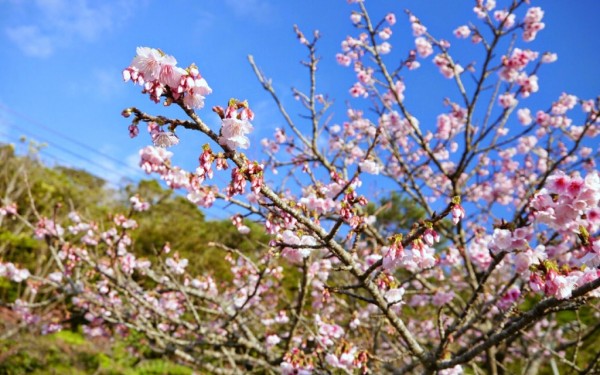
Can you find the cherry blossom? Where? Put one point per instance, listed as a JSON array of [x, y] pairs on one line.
[[399, 238], [234, 128], [533, 23], [462, 32], [424, 48]]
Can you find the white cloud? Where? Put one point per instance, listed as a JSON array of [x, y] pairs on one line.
[[258, 10], [80, 17], [31, 41], [40, 28]]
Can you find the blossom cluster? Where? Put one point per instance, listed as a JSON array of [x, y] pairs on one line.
[[568, 202], [235, 124], [13, 273], [159, 74]]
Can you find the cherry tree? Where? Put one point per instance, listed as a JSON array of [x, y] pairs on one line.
[[509, 240]]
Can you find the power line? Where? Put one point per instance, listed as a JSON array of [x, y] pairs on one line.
[[66, 137], [66, 150], [66, 162]]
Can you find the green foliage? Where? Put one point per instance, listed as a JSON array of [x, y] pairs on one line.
[[70, 337], [71, 353], [19, 243], [395, 213], [42, 355], [158, 367], [54, 192]]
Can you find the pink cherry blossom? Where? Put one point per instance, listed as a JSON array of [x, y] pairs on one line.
[[391, 19], [385, 34], [458, 213], [11, 272], [233, 133], [532, 23], [549, 57], [507, 100], [418, 29], [524, 115], [394, 296], [456, 370], [424, 48], [176, 265], [447, 68], [165, 139], [462, 32], [507, 20], [370, 166], [148, 62], [9, 209]]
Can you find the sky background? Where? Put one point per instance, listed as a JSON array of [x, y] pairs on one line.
[[60, 75]]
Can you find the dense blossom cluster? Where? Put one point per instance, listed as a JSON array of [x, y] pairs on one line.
[[158, 73], [236, 124], [11, 272]]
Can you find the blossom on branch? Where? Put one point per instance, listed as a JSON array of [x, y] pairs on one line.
[[236, 125]]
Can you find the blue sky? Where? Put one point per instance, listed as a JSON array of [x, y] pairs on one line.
[[62, 61]]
